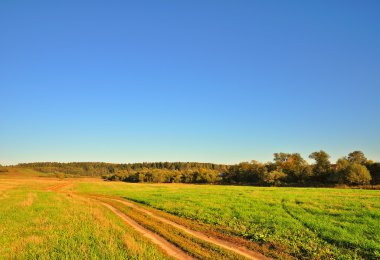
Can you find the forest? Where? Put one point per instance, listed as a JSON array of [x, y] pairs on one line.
[[286, 169]]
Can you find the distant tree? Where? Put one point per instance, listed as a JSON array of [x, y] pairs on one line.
[[322, 167], [293, 165], [374, 169], [357, 157], [257, 171], [351, 173], [157, 175], [282, 157], [286, 168], [342, 164], [275, 178], [358, 174], [206, 176], [245, 172], [270, 166], [111, 169], [141, 177], [341, 171]]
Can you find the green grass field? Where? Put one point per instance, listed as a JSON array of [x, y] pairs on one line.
[[301, 222], [286, 223]]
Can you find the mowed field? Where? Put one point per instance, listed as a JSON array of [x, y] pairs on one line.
[[83, 218]]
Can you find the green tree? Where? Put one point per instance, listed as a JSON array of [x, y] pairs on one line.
[[358, 174], [374, 169], [357, 157], [341, 170], [293, 165], [141, 177], [322, 167], [351, 173], [274, 178]]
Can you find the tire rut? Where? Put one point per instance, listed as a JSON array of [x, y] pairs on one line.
[[243, 251], [168, 247], [58, 186]]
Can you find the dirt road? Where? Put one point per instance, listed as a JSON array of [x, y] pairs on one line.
[[168, 247], [243, 251]]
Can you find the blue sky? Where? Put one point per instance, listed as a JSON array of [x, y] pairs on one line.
[[209, 81]]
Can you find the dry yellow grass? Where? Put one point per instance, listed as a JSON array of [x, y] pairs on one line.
[[38, 223], [29, 200]]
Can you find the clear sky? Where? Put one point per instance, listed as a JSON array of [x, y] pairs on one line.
[[209, 81]]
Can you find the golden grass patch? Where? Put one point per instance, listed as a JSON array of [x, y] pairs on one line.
[[29, 200], [131, 244], [33, 239]]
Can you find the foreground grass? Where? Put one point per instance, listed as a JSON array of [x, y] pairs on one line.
[[300, 222], [40, 224]]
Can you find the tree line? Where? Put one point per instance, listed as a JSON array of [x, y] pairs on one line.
[[286, 169], [292, 169]]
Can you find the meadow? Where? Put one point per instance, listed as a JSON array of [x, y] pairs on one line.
[[298, 222], [47, 218], [36, 223]]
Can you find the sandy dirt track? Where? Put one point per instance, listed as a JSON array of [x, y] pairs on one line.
[[169, 248], [243, 251], [166, 246]]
